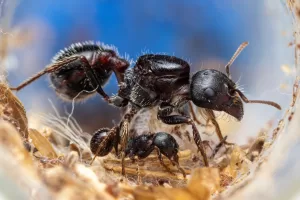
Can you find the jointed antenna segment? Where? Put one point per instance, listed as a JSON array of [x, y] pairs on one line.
[[235, 55]]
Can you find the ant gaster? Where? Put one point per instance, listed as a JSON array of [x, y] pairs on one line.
[[164, 81], [141, 146]]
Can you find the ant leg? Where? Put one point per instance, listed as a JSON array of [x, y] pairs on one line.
[[162, 161], [138, 172], [175, 161], [125, 135], [49, 69], [110, 136], [119, 69], [117, 140], [117, 65], [217, 148], [92, 77], [120, 78], [164, 112], [212, 118], [194, 114]]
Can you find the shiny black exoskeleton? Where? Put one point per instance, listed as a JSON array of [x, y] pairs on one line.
[[96, 140], [82, 69], [155, 79], [141, 146], [214, 90]]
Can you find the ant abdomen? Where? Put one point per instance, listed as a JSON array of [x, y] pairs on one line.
[[97, 139], [82, 70], [72, 81]]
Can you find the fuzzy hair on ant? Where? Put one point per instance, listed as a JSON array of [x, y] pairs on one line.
[[82, 69]]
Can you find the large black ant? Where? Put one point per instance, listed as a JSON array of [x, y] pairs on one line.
[[164, 81], [155, 80]]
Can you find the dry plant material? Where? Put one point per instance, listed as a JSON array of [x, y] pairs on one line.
[[12, 110], [42, 144], [150, 169], [256, 148], [10, 139], [203, 183], [72, 180]]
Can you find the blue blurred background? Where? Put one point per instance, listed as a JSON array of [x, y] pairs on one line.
[[205, 33]]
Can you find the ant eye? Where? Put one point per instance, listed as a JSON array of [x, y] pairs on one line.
[[209, 92]]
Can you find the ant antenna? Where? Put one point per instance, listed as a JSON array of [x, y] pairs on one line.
[[245, 99], [235, 55]]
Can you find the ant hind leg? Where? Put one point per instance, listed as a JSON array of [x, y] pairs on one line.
[[162, 161]]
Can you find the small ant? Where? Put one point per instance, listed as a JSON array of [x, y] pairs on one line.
[[141, 146]]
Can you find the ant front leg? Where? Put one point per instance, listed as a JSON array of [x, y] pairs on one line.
[[49, 69], [138, 172], [175, 161], [139, 181], [70, 62], [92, 77], [162, 161], [212, 118], [164, 114], [125, 134], [116, 64], [193, 114], [217, 148]]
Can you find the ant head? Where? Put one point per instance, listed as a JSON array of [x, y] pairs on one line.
[[214, 90], [97, 139], [166, 144]]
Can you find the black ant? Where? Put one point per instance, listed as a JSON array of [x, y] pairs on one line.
[[81, 70], [141, 146]]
